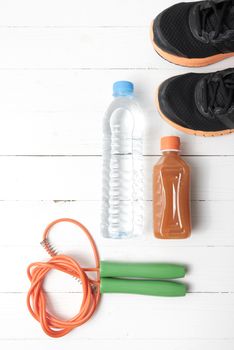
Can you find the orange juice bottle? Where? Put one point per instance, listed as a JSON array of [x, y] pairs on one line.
[[171, 192]]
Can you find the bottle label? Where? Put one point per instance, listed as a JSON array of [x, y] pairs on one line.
[[171, 219]]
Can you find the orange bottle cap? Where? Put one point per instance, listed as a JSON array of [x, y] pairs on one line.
[[170, 143]]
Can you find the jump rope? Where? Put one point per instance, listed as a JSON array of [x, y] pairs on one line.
[[110, 277]]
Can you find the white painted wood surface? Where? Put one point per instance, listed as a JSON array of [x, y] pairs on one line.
[[58, 61]]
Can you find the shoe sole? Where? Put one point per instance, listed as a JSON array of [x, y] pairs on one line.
[[191, 131], [188, 62]]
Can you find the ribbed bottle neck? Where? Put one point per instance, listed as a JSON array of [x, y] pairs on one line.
[[170, 151]]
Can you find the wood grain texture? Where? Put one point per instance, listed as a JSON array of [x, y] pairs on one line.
[[22, 224], [116, 344], [60, 178], [83, 48], [52, 113], [57, 65], [127, 317], [76, 13], [205, 274]]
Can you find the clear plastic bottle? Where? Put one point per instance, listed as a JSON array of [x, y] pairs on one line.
[[122, 201]]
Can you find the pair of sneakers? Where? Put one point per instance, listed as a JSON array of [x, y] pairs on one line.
[[196, 34]]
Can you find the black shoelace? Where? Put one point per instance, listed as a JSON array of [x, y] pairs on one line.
[[219, 92], [214, 18]]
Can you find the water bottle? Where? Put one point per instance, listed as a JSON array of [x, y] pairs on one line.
[[122, 202]]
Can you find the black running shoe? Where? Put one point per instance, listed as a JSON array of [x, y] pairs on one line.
[[199, 104], [195, 34]]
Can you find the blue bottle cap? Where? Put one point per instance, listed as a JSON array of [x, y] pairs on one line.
[[123, 88]]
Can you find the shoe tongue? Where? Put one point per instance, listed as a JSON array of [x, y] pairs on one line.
[[228, 18], [220, 100]]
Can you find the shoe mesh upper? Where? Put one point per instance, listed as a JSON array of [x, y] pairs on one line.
[[174, 26], [179, 96]]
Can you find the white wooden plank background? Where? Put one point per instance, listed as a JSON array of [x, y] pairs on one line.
[[58, 61]]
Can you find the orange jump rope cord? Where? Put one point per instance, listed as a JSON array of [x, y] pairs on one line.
[[36, 298]]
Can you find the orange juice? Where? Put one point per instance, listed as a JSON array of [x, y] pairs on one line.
[[171, 192]]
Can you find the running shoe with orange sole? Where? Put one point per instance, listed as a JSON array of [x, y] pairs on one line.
[[195, 34], [199, 104]]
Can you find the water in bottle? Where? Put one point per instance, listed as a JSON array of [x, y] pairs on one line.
[[122, 205]]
